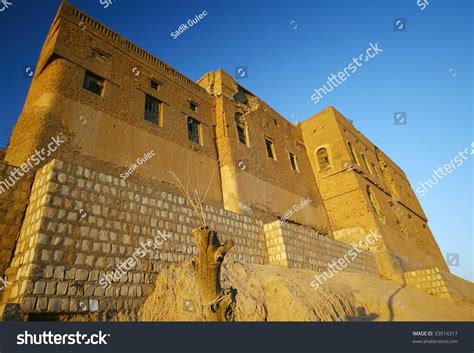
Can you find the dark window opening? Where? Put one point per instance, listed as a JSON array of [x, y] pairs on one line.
[[154, 85], [270, 149], [366, 164], [323, 159], [193, 106], [294, 165], [193, 130], [353, 156], [94, 83], [241, 128], [152, 109]]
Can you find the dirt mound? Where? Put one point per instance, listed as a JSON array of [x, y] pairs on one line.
[[274, 293]]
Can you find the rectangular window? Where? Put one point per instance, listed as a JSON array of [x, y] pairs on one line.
[[154, 85], [270, 148], [152, 109], [94, 83], [242, 134], [193, 106], [193, 130], [294, 165]]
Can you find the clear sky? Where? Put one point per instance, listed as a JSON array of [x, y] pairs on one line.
[[290, 48]]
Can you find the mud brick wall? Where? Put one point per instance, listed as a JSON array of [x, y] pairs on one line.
[[295, 246], [81, 224], [13, 202]]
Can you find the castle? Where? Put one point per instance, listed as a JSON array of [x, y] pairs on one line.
[[132, 128]]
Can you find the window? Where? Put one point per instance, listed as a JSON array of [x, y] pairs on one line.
[[152, 109], [366, 164], [241, 129], [293, 162], [94, 83], [193, 106], [323, 159], [374, 203], [353, 156], [154, 85], [193, 130], [270, 148], [374, 168]]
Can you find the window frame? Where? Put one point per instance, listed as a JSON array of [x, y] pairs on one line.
[[366, 164], [328, 165], [90, 74], [155, 83], [293, 162], [242, 129], [193, 105], [352, 153], [269, 142], [158, 113], [198, 125]]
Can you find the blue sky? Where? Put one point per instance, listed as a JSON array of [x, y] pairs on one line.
[[290, 48]]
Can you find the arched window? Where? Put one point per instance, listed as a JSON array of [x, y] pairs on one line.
[[353, 155], [242, 130], [323, 159]]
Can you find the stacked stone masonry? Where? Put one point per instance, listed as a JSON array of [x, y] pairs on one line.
[[428, 280], [81, 224], [441, 284], [13, 202], [301, 247]]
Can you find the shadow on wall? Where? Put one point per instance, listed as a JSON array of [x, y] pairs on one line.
[[390, 302], [362, 315]]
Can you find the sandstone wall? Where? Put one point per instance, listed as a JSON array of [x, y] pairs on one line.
[[440, 284], [363, 189], [294, 246], [13, 203], [81, 224], [109, 131], [254, 183]]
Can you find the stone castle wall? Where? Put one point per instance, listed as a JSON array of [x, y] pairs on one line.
[[80, 224], [441, 284], [294, 246], [13, 203], [363, 189]]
